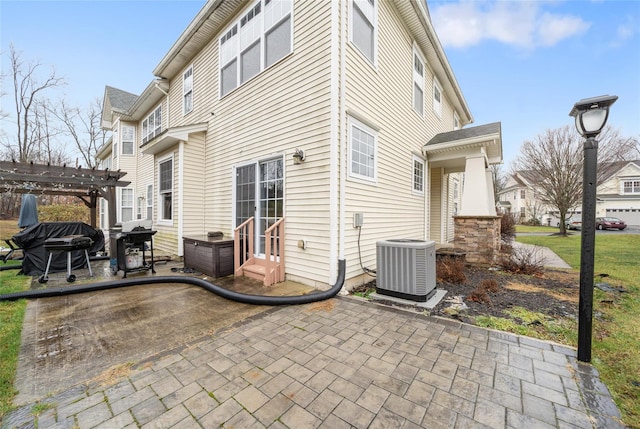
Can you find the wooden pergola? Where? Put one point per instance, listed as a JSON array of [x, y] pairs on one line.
[[87, 184]]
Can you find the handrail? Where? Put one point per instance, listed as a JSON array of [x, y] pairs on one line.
[[243, 253], [274, 259]]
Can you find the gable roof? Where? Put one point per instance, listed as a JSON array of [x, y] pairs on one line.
[[119, 100], [458, 144], [466, 133], [115, 101]]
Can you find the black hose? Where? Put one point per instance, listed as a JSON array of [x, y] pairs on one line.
[[220, 291], [10, 267]]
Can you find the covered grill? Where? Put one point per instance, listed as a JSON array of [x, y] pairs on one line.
[[32, 242]]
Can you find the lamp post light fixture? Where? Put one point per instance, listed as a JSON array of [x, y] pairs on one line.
[[591, 115]]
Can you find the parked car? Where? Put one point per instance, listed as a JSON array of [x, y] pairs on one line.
[[574, 222], [610, 223]]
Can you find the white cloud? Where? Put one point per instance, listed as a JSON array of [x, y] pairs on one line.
[[624, 32], [522, 24]]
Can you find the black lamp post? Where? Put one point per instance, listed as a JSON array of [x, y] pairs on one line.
[[591, 115]]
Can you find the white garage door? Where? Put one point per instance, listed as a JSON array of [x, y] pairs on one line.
[[630, 216]]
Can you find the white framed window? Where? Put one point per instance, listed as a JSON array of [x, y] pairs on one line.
[[418, 82], [139, 208], [149, 201], [631, 186], [363, 28], [114, 141], [437, 97], [126, 204], [418, 175], [128, 136], [104, 222], [262, 36], [456, 121], [165, 189], [152, 125], [362, 153], [523, 194], [187, 91]]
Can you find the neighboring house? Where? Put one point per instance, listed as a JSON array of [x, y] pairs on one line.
[[520, 197], [617, 196], [321, 113]]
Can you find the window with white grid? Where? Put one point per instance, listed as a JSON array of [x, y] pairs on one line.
[[362, 140]]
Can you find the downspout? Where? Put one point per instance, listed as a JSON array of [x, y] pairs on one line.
[[427, 197], [166, 94], [180, 197], [342, 140], [336, 222]]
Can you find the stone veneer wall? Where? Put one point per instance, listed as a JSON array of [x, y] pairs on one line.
[[479, 236]]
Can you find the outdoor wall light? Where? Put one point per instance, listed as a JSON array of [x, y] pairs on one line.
[[591, 115], [298, 156]]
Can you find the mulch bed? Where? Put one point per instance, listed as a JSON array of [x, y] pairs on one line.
[[554, 293]]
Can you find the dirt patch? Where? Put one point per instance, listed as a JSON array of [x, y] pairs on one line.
[[112, 375], [326, 305]]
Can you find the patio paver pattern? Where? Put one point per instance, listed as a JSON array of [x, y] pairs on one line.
[[343, 363]]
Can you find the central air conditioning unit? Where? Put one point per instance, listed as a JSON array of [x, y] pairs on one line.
[[406, 269]]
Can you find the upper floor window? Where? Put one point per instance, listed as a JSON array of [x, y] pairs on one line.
[[165, 189], [418, 82], [362, 163], [152, 125], [128, 134], [456, 121], [631, 186], [523, 194], [260, 38], [187, 91], [418, 175], [363, 27], [437, 97]]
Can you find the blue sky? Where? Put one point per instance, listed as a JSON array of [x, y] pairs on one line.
[[524, 63]]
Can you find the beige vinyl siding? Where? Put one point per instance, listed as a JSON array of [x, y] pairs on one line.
[[382, 98], [283, 108], [435, 211], [193, 186], [449, 224]]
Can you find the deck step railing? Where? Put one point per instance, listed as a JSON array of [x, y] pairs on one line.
[[273, 263]]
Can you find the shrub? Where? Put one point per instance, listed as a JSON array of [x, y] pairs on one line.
[[508, 227], [478, 295], [63, 213], [490, 285], [450, 269], [523, 260]]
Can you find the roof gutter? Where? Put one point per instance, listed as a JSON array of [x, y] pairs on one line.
[[186, 35]]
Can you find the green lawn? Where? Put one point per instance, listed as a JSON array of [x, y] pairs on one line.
[[529, 228], [11, 317], [616, 325]]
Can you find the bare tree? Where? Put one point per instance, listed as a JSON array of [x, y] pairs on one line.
[[83, 126], [28, 91], [555, 161], [499, 180]]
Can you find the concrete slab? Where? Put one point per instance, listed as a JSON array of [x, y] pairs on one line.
[[70, 339], [427, 305]]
